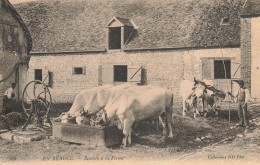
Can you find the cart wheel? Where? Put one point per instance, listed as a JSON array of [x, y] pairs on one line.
[[36, 91]]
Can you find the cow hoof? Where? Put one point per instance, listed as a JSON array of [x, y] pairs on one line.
[[183, 114]]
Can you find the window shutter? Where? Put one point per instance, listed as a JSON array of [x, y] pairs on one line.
[[100, 75], [45, 76], [107, 74], [144, 76], [134, 73], [72, 70], [50, 79], [235, 70], [207, 69], [84, 70]]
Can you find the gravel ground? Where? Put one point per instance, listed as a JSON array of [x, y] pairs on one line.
[[190, 137]]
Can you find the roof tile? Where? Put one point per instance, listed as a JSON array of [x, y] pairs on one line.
[[79, 25]]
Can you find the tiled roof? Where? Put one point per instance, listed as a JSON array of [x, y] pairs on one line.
[[80, 25], [20, 21], [251, 8]]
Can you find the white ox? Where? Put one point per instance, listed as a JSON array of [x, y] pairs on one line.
[[91, 100], [86, 97], [99, 99], [77, 108], [137, 104]]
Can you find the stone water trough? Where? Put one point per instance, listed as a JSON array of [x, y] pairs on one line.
[[87, 134]]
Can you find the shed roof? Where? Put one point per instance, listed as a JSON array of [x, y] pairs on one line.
[[20, 21], [79, 25]]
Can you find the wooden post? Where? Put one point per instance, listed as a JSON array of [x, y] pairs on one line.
[[229, 111]]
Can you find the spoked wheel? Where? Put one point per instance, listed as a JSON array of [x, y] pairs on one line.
[[36, 100], [38, 91]]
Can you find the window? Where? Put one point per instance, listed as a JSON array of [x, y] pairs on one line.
[[120, 32], [77, 70], [219, 69], [224, 21], [38, 74], [120, 73], [115, 38]]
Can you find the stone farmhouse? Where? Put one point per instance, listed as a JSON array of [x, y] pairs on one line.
[[79, 44], [15, 43]]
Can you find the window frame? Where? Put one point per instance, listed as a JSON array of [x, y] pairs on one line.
[[83, 70], [125, 74], [116, 44], [224, 22], [37, 75], [228, 68]]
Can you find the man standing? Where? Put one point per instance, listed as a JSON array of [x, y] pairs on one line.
[[243, 98], [8, 99]]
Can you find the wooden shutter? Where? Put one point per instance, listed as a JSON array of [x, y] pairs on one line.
[[45, 76], [134, 73], [107, 74], [144, 77], [100, 75], [84, 70], [207, 69], [72, 71], [50, 79], [235, 70]]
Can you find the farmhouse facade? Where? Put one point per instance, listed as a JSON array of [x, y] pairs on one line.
[[15, 43], [80, 44]]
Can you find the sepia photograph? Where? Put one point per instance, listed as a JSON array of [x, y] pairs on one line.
[[129, 81]]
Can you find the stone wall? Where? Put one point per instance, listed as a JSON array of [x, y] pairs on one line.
[[13, 47], [164, 68], [255, 58], [245, 42]]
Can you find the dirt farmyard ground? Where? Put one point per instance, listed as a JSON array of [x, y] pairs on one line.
[[192, 138]]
